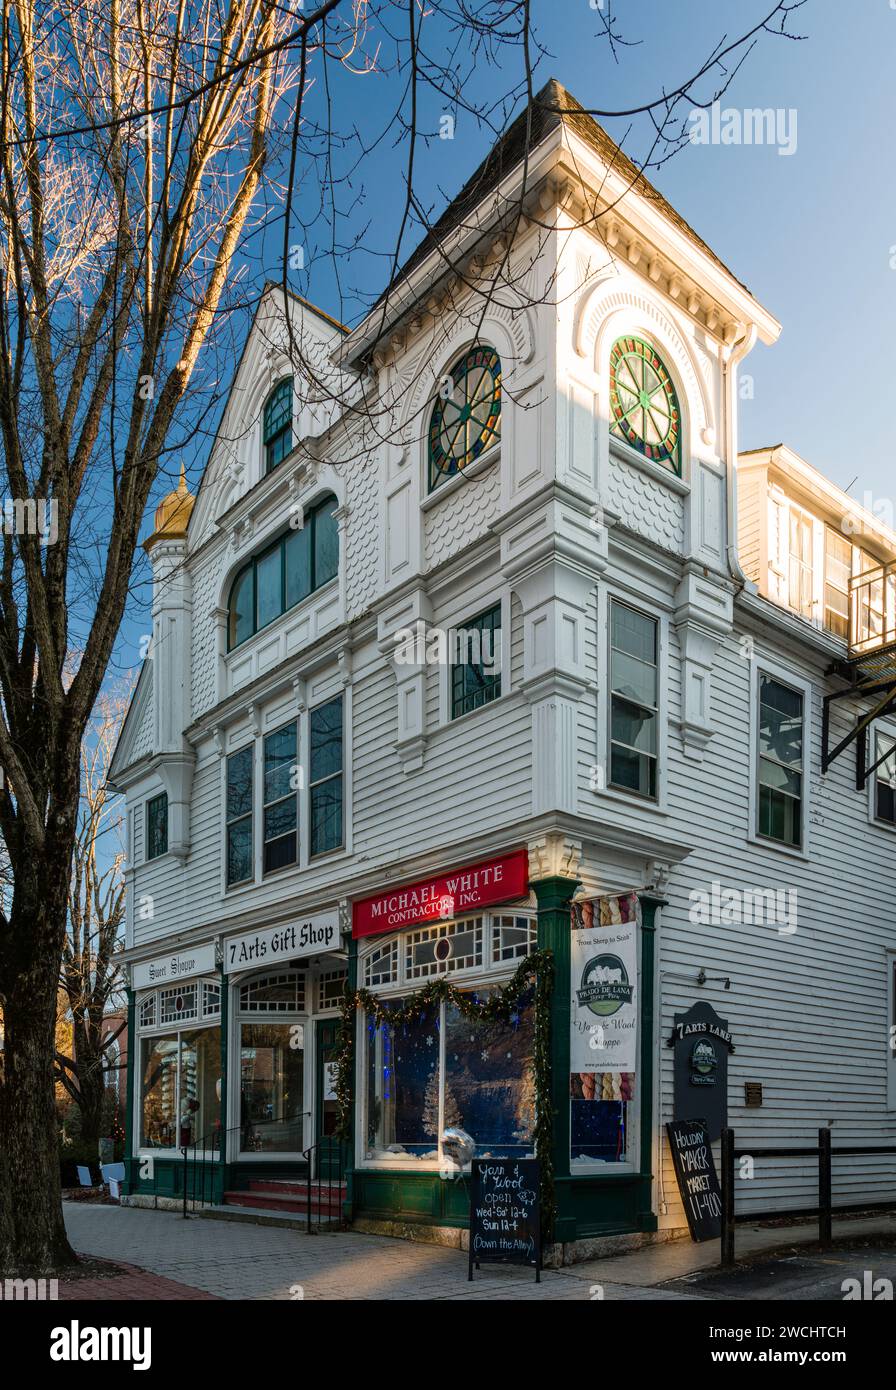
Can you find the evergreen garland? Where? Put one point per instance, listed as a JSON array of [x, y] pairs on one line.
[[497, 1008]]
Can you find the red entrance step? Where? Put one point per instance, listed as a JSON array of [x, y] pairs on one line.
[[283, 1194]]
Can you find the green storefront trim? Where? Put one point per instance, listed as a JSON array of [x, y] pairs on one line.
[[589, 1204]]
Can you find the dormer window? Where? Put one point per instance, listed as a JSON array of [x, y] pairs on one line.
[[643, 404], [284, 574], [466, 418], [277, 424]]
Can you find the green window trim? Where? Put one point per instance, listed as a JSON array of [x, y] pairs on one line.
[[466, 415], [644, 408], [277, 424], [308, 559], [472, 686], [157, 826]]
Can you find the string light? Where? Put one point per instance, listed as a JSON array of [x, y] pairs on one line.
[[501, 1006]]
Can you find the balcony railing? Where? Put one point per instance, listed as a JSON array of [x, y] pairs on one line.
[[872, 610]]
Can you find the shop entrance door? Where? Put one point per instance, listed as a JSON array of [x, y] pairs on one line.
[[327, 1109]]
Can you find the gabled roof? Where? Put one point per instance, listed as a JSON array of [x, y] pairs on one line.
[[550, 108]]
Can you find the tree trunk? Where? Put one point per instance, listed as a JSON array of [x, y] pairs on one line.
[[90, 1078], [32, 1233]]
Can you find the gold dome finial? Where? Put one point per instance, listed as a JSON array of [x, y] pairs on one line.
[[173, 512]]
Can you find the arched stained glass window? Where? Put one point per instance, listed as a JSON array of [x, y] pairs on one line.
[[277, 424], [286, 572], [466, 418], [644, 408]]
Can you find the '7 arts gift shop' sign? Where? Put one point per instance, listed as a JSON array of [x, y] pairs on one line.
[[479, 885], [317, 933]]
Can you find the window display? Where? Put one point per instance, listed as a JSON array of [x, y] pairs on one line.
[[181, 1102], [272, 1087]]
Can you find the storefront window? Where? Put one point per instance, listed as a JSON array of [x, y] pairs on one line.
[[487, 1086], [601, 1109], [159, 1093], [181, 1101], [272, 1066], [490, 1080], [402, 1121]]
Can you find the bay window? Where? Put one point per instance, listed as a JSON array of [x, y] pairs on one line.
[[267, 827]]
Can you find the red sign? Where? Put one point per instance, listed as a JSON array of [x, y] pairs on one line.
[[493, 881]]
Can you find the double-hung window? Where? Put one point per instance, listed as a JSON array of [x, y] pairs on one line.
[[277, 428], [800, 581], [837, 572], [281, 782], [157, 826], [476, 664], [885, 779], [634, 700], [290, 796], [780, 762], [325, 779], [240, 860]]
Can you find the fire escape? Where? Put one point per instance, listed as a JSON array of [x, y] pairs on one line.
[[869, 668]]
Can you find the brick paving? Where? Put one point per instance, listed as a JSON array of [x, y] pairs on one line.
[[231, 1260], [131, 1285]]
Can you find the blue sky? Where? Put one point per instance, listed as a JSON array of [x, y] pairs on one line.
[[810, 233]]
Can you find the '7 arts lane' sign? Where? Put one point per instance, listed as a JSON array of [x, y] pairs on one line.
[[282, 944], [478, 885]]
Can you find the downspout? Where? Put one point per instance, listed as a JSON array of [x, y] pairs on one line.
[[731, 359]]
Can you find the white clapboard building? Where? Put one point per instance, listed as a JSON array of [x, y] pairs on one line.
[[477, 610]]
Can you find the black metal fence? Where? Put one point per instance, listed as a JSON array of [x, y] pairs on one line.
[[203, 1160], [825, 1154], [328, 1163]]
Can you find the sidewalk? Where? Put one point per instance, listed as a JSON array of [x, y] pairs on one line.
[[656, 1264], [204, 1257], [232, 1260]]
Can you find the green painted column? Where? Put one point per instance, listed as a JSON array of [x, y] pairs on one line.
[[356, 1119], [223, 1181], [133, 1063], [553, 896], [649, 907]]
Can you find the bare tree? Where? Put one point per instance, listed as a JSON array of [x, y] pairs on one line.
[[145, 148], [91, 980]]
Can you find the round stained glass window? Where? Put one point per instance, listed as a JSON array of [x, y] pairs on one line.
[[643, 403], [466, 418]]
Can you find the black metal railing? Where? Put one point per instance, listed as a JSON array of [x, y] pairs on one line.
[[328, 1164], [203, 1158], [822, 1151], [872, 610]]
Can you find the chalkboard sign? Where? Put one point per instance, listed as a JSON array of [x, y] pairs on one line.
[[697, 1179], [505, 1213]]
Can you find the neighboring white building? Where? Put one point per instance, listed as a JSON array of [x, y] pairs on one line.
[[537, 449]]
